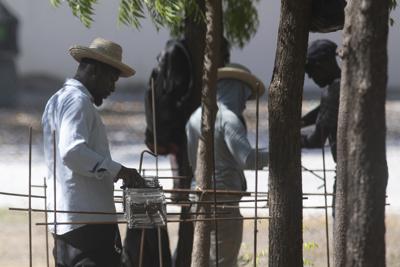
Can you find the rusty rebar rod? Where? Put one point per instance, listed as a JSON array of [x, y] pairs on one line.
[[37, 186], [169, 221], [256, 180], [161, 169], [326, 207], [220, 201], [69, 211], [160, 251], [316, 207], [312, 172], [178, 177], [321, 170], [108, 213], [30, 199], [46, 220], [141, 251], [20, 195], [210, 201], [55, 196], [208, 191], [223, 192], [219, 206], [220, 219]]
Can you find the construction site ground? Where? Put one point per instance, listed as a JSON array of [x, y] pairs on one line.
[[124, 117]]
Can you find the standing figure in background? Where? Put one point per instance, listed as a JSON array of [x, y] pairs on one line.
[[173, 80], [323, 69], [233, 154], [85, 171]]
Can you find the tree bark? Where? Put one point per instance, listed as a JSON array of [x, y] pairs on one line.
[[362, 168], [284, 104], [205, 164], [195, 33]]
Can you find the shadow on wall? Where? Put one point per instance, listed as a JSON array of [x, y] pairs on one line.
[[8, 53], [35, 89]]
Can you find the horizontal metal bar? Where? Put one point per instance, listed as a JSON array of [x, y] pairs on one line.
[[208, 191], [111, 213], [316, 207], [219, 219], [20, 195], [69, 211], [218, 206], [37, 186], [219, 201], [318, 194], [169, 221]]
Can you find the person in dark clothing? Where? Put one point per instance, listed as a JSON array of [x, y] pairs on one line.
[[323, 69]]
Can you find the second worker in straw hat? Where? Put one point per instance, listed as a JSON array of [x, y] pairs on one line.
[[232, 151]]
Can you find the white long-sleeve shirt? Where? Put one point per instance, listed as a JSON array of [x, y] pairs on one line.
[[84, 168], [232, 150]]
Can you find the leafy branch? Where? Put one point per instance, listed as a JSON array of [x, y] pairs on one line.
[[82, 9], [392, 6], [240, 17], [240, 20]]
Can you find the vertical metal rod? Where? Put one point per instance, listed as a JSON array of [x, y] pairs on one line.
[[160, 251], [30, 198], [141, 248], [215, 202], [256, 178], [45, 219], [326, 209], [55, 196], [153, 103]]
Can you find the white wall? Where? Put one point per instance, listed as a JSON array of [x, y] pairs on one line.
[[46, 33]]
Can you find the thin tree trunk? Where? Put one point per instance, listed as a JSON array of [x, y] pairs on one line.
[[195, 32], [183, 253], [284, 103], [362, 168], [205, 164]]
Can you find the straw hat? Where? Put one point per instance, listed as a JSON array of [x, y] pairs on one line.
[[104, 51], [241, 73]]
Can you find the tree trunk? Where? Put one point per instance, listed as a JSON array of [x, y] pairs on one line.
[[183, 253], [362, 168], [205, 164], [195, 33], [284, 104]]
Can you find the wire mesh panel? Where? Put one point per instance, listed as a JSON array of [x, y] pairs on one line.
[[145, 207]]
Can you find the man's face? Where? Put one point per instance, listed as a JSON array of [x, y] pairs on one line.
[[318, 73], [104, 83]]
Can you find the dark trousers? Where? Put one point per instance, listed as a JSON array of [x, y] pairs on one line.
[[150, 256], [89, 246], [183, 253]]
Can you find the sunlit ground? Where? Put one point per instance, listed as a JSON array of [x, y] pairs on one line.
[[125, 123], [14, 241]]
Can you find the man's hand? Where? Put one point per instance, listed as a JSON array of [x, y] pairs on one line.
[[131, 178]]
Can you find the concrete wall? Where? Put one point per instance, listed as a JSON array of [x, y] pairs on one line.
[[46, 33]]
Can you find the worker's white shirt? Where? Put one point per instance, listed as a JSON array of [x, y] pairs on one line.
[[84, 168]]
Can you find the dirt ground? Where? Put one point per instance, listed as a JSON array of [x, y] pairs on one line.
[[14, 241], [124, 117]]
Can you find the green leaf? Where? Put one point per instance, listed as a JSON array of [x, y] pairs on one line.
[[240, 21], [55, 3]]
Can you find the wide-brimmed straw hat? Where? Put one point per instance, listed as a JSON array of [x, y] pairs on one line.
[[104, 51], [239, 72]]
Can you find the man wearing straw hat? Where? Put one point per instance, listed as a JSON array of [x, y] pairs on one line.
[[85, 172], [232, 151]]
